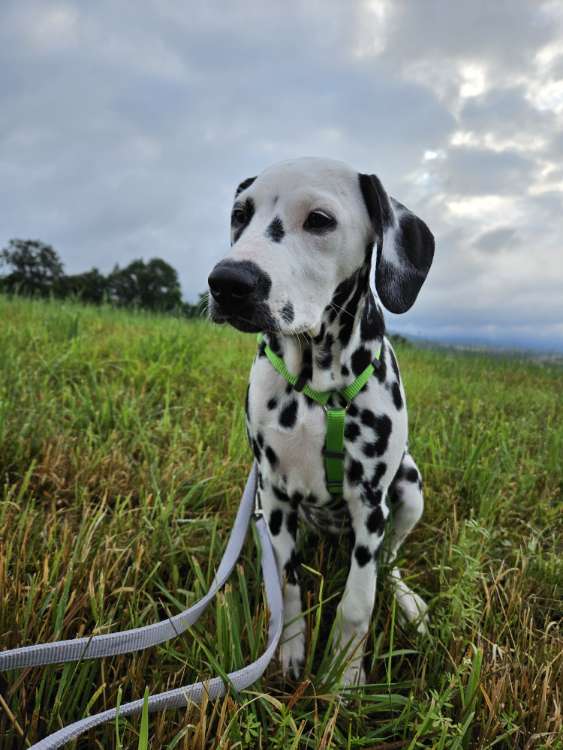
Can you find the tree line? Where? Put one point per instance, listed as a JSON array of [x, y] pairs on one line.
[[35, 269]]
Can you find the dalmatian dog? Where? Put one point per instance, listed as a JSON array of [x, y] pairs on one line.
[[303, 235]]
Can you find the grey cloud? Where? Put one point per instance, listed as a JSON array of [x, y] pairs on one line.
[[496, 240], [501, 34], [507, 113], [477, 171]]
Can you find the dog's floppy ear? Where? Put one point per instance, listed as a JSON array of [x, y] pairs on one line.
[[244, 184], [405, 247]]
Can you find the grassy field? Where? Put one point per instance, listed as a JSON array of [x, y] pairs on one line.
[[122, 459]]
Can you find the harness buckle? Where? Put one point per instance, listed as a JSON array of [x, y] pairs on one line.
[[344, 408]]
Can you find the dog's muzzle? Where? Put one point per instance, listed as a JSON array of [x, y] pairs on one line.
[[240, 290]]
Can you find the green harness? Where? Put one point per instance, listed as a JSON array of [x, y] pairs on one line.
[[333, 450]]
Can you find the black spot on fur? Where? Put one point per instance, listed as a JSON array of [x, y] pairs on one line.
[[342, 292], [380, 371], [272, 403], [362, 555], [320, 336], [353, 410], [379, 472], [397, 398], [372, 495], [368, 449], [244, 184], [291, 567], [376, 521], [276, 519], [368, 418], [324, 359], [311, 499], [348, 314], [280, 494], [260, 439], [307, 368], [296, 498], [292, 524], [288, 414], [383, 426], [360, 360], [344, 371], [355, 471], [411, 475], [394, 365], [276, 231], [271, 456], [394, 495], [351, 431], [275, 344], [287, 312], [372, 325]]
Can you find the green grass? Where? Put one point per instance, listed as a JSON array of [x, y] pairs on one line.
[[122, 460]]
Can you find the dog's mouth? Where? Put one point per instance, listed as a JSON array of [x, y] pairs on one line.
[[250, 320], [240, 323]]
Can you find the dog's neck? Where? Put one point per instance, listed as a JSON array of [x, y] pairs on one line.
[[351, 329]]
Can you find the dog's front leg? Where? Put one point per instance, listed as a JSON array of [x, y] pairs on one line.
[[355, 608], [281, 514]]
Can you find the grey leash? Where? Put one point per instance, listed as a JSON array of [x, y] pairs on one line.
[[141, 638]]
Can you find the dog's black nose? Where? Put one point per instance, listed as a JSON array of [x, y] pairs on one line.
[[236, 282]]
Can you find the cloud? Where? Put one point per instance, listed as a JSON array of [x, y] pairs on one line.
[[496, 240], [124, 130]]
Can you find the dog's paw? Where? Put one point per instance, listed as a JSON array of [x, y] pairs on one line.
[[413, 611], [292, 653]]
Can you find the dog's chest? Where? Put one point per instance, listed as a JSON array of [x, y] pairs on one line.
[[289, 431]]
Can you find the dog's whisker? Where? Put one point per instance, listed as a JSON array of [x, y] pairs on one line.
[[338, 309]]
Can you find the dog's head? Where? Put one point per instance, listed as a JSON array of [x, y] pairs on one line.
[[301, 228]]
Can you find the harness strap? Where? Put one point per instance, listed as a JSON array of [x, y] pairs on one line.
[[321, 397], [333, 450]]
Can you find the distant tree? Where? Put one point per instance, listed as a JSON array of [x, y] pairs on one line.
[[91, 286], [153, 285], [36, 268]]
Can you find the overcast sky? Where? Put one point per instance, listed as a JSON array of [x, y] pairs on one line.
[[126, 125]]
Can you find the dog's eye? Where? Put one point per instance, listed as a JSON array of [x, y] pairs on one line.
[[238, 216], [319, 221]]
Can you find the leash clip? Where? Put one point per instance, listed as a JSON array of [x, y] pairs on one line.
[[258, 512], [344, 408]]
